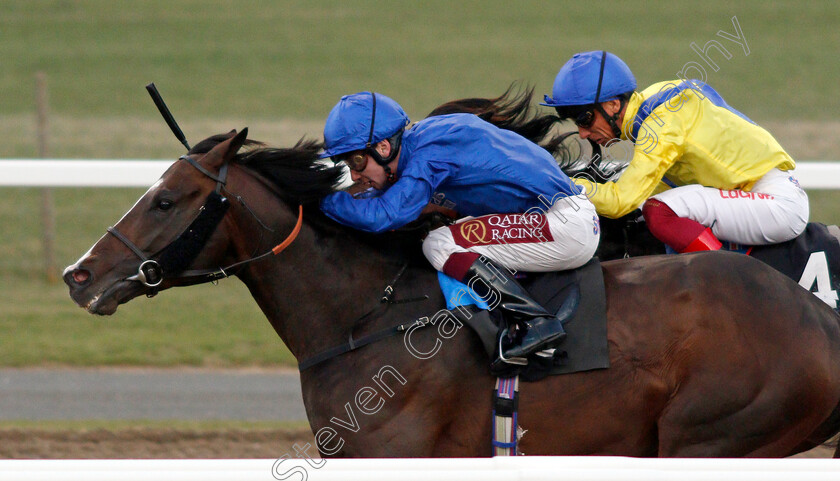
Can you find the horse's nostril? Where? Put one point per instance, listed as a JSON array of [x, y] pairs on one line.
[[80, 276]]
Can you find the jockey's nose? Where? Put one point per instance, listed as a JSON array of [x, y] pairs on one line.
[[355, 176], [584, 132]]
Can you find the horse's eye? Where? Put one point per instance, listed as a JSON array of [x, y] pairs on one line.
[[165, 204]]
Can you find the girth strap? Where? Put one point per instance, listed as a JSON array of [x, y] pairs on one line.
[[505, 411]]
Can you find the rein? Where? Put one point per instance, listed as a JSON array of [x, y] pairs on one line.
[[386, 300], [173, 259]]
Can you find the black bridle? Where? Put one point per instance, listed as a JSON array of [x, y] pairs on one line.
[[171, 261], [178, 254]]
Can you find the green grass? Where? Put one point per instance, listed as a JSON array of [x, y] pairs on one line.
[[202, 325], [293, 59], [278, 67]]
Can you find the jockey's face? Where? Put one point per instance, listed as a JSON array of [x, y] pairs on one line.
[[373, 174], [600, 131]]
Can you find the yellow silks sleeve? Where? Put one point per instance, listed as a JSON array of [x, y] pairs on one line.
[[642, 177], [692, 141]]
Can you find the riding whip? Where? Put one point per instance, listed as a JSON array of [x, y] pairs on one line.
[[167, 115]]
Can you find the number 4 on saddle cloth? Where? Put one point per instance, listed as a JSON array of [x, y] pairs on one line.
[[585, 347], [812, 260]]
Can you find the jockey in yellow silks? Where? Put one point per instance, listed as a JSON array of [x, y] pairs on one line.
[[729, 178]]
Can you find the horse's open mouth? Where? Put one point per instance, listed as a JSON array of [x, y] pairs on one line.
[[106, 302]]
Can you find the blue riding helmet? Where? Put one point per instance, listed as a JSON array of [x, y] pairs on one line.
[[590, 78], [353, 124]]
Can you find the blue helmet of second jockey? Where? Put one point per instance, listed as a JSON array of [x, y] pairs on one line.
[[587, 81], [525, 213], [700, 170]]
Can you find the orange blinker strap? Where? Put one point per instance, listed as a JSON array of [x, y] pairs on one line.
[[280, 247]]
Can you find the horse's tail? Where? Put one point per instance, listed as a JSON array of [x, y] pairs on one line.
[[512, 111]]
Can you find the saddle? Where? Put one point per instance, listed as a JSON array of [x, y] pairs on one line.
[[812, 260], [585, 347]]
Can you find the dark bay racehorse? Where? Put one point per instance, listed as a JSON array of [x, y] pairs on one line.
[[711, 355]]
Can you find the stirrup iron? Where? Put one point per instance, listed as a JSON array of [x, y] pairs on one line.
[[517, 361]]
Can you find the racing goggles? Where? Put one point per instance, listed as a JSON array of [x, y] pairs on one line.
[[582, 116], [355, 160], [585, 119]]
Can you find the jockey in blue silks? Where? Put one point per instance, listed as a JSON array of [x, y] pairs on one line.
[[525, 213]]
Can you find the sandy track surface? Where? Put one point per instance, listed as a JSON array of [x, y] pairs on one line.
[[148, 443]]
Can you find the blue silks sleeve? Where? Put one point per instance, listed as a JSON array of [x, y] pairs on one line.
[[396, 207]]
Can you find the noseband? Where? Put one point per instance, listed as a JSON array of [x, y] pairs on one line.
[[171, 261]]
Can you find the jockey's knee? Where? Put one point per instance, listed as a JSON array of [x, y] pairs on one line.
[[438, 246], [799, 219], [792, 228], [658, 216]]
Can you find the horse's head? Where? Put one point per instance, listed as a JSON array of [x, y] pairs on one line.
[[160, 236]]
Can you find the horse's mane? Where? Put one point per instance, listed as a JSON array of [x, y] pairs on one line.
[[513, 111], [300, 177], [297, 172], [510, 111]]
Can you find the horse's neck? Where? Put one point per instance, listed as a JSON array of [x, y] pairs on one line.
[[315, 291], [314, 296]]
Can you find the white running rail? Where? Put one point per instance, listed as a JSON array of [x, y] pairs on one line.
[[143, 173]]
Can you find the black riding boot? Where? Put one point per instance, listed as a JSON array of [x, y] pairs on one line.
[[544, 331]]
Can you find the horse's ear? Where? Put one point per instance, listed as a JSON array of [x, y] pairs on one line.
[[237, 141], [225, 151]]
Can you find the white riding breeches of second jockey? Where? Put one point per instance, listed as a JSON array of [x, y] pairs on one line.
[[775, 210], [563, 237]]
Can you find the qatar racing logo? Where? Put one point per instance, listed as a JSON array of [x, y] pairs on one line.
[[502, 229]]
